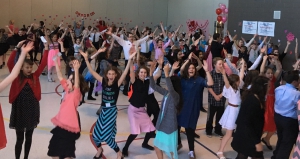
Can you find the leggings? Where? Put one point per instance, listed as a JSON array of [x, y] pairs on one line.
[[19, 143], [131, 137], [258, 155], [190, 133]]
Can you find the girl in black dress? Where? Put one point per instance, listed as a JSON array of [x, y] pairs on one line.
[[250, 121]]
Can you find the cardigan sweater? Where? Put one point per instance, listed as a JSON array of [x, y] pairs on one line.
[[168, 122], [35, 85]]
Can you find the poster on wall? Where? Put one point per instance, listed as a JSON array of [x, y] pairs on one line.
[[249, 27], [266, 28]]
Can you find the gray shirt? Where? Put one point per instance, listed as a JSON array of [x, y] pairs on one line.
[[167, 118]]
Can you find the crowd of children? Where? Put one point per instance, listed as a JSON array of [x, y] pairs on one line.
[[246, 74]]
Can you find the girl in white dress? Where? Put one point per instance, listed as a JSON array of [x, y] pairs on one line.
[[231, 91]]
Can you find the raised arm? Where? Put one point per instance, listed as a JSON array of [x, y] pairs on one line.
[[129, 65], [10, 31], [58, 71], [278, 68], [263, 65], [296, 49], [163, 29], [250, 42], [227, 85], [210, 81], [16, 69], [94, 73], [76, 66], [29, 28], [242, 71], [262, 43], [287, 47], [257, 61], [64, 34]]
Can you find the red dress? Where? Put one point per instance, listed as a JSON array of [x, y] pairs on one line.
[[269, 112], [3, 140]]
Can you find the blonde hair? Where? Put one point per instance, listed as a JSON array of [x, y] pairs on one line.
[[91, 50]]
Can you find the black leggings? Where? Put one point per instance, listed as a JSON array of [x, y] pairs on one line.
[[131, 137], [258, 155], [19, 143], [190, 134]]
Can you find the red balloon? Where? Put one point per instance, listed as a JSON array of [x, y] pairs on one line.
[[219, 11], [219, 18]]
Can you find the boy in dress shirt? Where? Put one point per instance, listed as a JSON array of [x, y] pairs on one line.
[[127, 45]]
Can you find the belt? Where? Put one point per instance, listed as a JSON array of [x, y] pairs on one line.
[[233, 105]]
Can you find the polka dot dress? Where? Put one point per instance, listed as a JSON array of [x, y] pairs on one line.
[[25, 111]]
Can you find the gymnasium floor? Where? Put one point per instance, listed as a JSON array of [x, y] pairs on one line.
[[205, 148]]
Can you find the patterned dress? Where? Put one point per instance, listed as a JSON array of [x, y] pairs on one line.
[[25, 111]]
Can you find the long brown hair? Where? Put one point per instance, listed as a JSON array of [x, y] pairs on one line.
[[21, 74], [259, 87], [185, 73], [233, 78], [111, 68], [139, 69], [84, 87]]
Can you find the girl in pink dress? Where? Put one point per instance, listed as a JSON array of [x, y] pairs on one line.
[[67, 130], [53, 51], [8, 80]]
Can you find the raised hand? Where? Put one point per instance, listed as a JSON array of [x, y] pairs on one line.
[[76, 64], [20, 43], [288, 42], [132, 55], [167, 68], [60, 41], [205, 66], [175, 65], [85, 55], [265, 57], [152, 67], [264, 49], [28, 47]]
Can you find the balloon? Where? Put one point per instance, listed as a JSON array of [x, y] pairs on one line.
[[226, 10], [223, 7], [219, 18], [224, 19], [218, 11], [220, 4]]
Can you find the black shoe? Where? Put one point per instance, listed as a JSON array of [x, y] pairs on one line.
[[209, 135], [146, 146], [268, 146], [44, 73], [96, 94], [203, 110], [1, 66], [220, 134], [126, 94], [196, 136], [91, 98], [125, 152]]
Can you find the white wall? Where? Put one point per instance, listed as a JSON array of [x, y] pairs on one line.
[[180, 11], [141, 12]]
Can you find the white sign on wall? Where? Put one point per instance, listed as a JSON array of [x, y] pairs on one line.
[[249, 27], [266, 28]]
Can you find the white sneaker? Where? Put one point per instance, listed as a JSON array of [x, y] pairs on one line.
[[192, 155]]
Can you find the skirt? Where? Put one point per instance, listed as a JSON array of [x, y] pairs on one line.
[[167, 143], [106, 127], [3, 140], [270, 125], [51, 54], [229, 117], [139, 120], [62, 143]]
